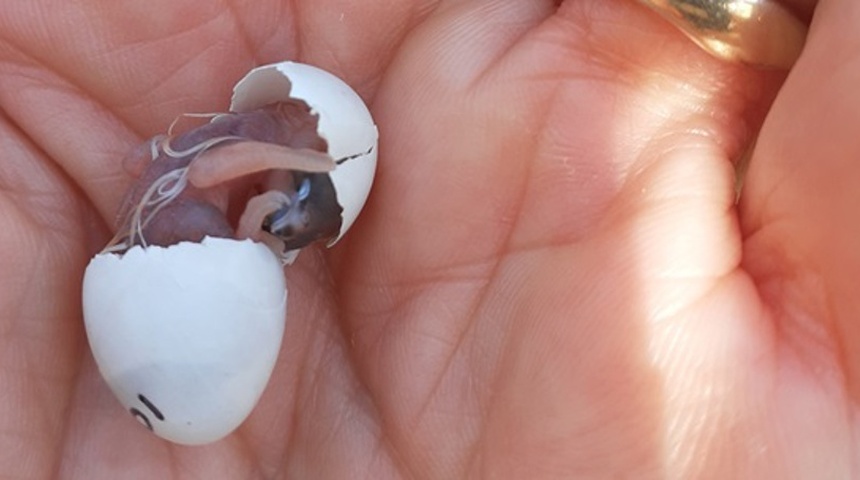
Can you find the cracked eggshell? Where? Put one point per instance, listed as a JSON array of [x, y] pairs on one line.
[[344, 122], [186, 336]]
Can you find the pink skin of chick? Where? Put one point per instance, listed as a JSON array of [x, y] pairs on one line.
[[230, 178]]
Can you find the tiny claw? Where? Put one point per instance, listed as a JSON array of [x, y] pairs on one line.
[[257, 210]]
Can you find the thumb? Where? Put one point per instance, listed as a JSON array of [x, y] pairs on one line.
[[799, 207]]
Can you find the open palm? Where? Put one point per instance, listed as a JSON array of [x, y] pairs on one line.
[[550, 279]]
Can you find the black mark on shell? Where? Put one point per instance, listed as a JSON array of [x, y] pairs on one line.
[[343, 160], [141, 417], [149, 405]]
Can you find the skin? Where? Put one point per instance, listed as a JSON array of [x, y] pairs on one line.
[[550, 279], [246, 162]]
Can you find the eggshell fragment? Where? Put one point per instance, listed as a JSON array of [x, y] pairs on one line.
[[344, 122], [187, 336]]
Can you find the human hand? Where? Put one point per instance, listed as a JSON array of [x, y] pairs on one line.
[[550, 279]]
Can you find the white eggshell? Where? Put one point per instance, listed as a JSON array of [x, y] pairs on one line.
[[344, 122], [187, 336]]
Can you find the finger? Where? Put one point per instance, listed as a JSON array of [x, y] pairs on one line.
[[86, 84], [43, 244], [127, 57], [764, 34], [355, 41], [800, 203]]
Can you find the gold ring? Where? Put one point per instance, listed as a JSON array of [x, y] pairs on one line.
[[756, 32]]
